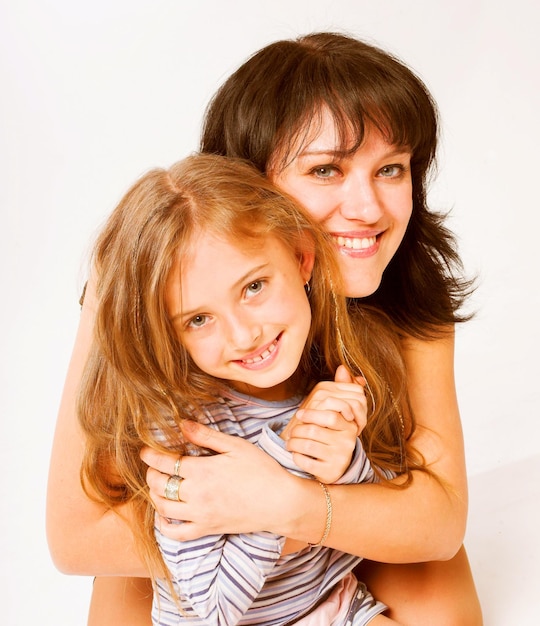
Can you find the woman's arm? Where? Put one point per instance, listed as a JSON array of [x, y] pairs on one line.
[[120, 601], [424, 522], [84, 537]]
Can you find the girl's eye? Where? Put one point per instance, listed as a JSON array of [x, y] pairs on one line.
[[198, 321], [391, 171], [254, 288]]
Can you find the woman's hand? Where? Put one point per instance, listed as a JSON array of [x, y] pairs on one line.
[[241, 489], [323, 434]]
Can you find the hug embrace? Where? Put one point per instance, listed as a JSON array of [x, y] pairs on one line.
[[262, 384]]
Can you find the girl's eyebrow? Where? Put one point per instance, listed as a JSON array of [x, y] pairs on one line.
[[237, 283]]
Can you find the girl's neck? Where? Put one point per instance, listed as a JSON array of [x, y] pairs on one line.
[[278, 393]]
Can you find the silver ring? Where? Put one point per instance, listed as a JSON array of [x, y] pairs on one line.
[[172, 488], [176, 471]]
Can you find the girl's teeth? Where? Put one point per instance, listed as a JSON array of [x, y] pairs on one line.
[[261, 356]]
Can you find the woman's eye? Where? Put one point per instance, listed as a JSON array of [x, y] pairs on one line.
[[324, 171], [391, 171], [254, 288], [197, 321]]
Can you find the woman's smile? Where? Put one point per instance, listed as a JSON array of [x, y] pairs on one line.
[[357, 245]]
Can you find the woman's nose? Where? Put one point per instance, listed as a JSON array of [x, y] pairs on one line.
[[361, 201]]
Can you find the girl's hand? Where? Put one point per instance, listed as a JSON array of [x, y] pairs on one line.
[[323, 434], [222, 493]]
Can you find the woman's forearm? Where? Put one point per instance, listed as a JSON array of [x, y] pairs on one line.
[[120, 601], [84, 537], [418, 523], [426, 520], [98, 546]]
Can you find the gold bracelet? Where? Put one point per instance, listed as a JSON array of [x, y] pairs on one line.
[[328, 516]]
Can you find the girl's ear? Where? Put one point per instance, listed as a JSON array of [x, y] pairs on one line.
[[307, 259], [306, 256]]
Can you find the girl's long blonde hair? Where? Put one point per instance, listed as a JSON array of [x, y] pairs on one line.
[[139, 377]]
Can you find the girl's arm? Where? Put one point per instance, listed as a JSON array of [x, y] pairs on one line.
[[84, 536], [423, 522], [218, 577]]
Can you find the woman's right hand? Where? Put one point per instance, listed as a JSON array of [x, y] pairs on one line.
[[240, 489]]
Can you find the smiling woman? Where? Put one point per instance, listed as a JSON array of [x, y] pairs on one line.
[[362, 196], [351, 132]]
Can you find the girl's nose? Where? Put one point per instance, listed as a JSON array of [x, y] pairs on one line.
[[244, 331]]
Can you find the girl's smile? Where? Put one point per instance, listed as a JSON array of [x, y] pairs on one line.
[[261, 358]]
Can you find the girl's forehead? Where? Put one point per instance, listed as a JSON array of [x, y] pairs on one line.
[[209, 238]]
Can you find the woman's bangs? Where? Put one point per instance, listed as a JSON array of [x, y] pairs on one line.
[[352, 118], [358, 97]]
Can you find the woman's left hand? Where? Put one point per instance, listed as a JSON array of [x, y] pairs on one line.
[[240, 489]]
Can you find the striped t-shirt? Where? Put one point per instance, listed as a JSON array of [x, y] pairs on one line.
[[243, 579]]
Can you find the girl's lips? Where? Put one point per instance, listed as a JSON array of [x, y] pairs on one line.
[[261, 358]]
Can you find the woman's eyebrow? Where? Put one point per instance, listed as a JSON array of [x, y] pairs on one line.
[[322, 151], [399, 150]]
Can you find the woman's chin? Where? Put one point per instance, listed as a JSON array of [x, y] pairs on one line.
[[362, 288]]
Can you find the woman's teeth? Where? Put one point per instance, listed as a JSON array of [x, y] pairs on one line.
[[356, 243]]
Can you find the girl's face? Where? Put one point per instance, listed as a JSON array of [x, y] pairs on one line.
[[364, 200], [242, 312]]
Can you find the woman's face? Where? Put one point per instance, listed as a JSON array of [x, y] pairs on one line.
[[363, 199]]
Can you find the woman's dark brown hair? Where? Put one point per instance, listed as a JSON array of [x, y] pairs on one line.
[[274, 102]]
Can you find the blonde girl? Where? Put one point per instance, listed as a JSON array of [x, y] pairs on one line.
[[201, 314]]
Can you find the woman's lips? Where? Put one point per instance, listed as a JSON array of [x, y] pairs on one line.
[[357, 246], [356, 243]]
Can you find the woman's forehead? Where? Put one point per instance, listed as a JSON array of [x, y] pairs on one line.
[[328, 132]]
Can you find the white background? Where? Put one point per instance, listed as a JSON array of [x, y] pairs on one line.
[[95, 93]]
